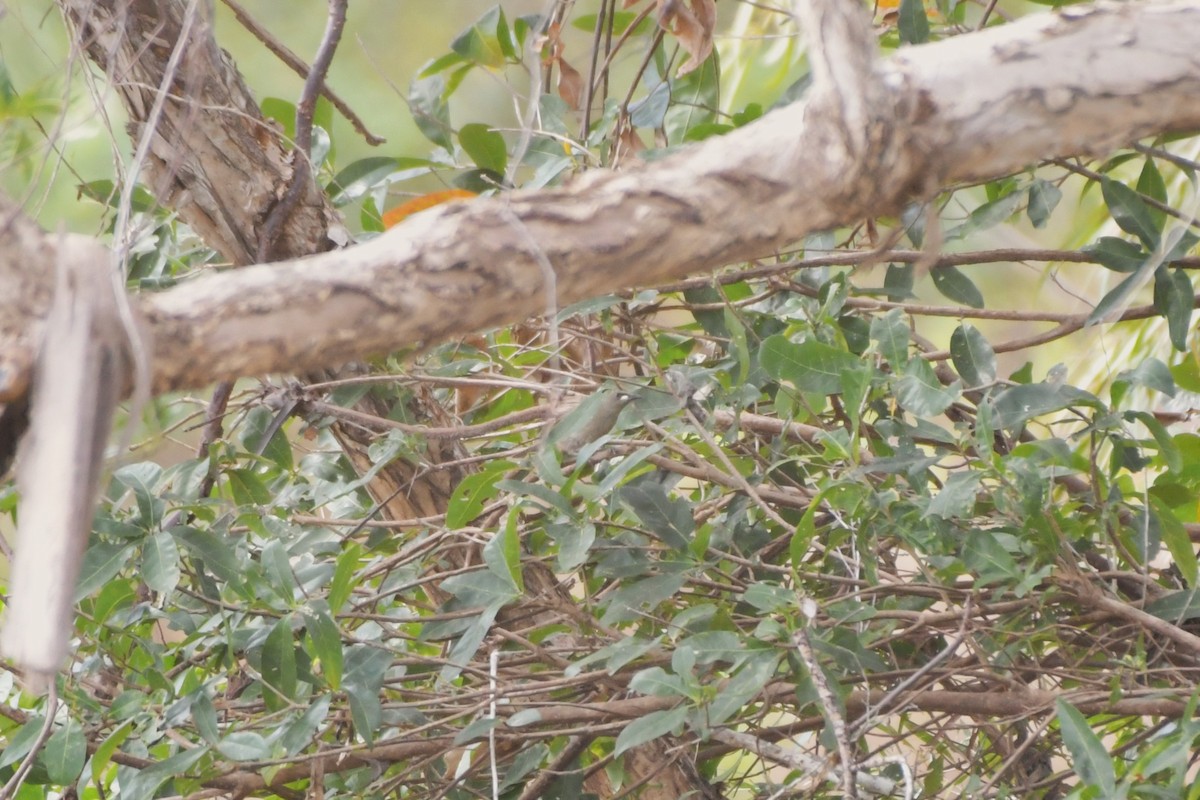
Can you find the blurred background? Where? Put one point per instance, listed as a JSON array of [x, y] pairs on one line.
[[384, 45]]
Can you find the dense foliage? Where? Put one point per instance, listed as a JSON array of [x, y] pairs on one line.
[[854, 508]]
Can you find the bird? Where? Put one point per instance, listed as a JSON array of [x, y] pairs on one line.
[[594, 417]]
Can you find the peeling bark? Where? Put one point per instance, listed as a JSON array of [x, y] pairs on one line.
[[213, 157], [970, 108]]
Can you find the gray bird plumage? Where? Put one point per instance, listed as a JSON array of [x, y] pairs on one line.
[[592, 418]]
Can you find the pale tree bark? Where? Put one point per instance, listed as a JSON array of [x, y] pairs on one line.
[[969, 108]]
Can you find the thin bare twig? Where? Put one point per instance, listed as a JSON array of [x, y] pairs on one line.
[[297, 65], [829, 706], [18, 777], [792, 759], [868, 719], [302, 150]]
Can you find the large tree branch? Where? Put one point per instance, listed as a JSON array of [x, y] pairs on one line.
[[970, 108]]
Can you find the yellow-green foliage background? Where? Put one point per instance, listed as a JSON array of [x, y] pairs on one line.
[[384, 44]]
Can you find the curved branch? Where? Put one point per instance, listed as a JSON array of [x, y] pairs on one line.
[[1082, 81], [966, 109]]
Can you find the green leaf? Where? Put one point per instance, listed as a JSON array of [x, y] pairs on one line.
[[657, 682], [277, 568], [468, 643], [751, 112], [986, 557], [540, 493], [431, 112], [1167, 448], [651, 110], [973, 356], [694, 99], [502, 553], [64, 754], [1150, 184], [521, 27], [18, 746], [811, 366], [1151, 374], [632, 600], [891, 331], [115, 595], [1176, 607], [1022, 374], [160, 563], [343, 576], [987, 216], [575, 543], [477, 730], [247, 488], [748, 682], [480, 42], [479, 589], [913, 24], [279, 665], [204, 714], [648, 728], [668, 518], [104, 753], [630, 463], [473, 493], [1017, 405], [244, 746], [1174, 298], [1184, 240], [956, 286], [106, 193], [1179, 543], [326, 641], [278, 450], [1117, 254], [920, 392], [143, 479], [299, 733], [282, 112], [1116, 298], [1186, 374], [366, 668], [510, 43], [1130, 211], [898, 282], [1089, 757], [806, 531], [360, 177], [144, 783], [739, 344], [101, 563], [219, 553], [1043, 198], [957, 497], [485, 146], [440, 64]]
